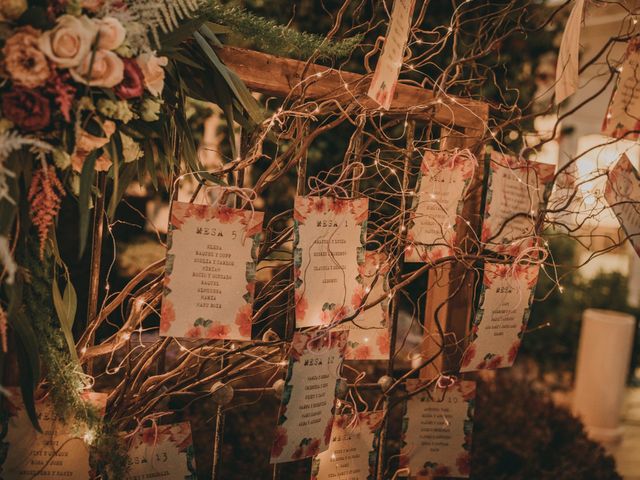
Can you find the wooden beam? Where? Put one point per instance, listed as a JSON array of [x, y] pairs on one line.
[[285, 77]]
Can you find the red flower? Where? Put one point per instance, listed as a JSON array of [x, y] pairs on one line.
[[468, 355], [218, 330], [63, 92], [279, 442], [494, 362], [463, 463], [132, 84], [243, 320], [363, 352], [28, 109], [313, 448], [384, 343], [194, 332], [513, 351]]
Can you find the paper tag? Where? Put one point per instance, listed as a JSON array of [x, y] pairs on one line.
[[305, 417], [210, 272], [163, 451], [516, 193], [444, 177], [437, 429], [369, 331], [622, 193], [58, 453], [501, 318], [385, 79], [329, 238], [567, 68], [351, 454], [623, 115]]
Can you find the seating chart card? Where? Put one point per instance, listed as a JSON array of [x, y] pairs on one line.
[[623, 116], [210, 272], [501, 318], [444, 179], [385, 78], [437, 429], [329, 238], [517, 192], [352, 450], [305, 417], [163, 451], [622, 193], [59, 452]]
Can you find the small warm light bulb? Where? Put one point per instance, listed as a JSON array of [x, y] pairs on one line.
[[89, 437]]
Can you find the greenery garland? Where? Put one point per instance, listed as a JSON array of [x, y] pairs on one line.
[[271, 37]]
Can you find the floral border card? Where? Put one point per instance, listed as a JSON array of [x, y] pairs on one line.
[[328, 248], [210, 272], [385, 79], [305, 417], [352, 452], [59, 452], [443, 180], [437, 428], [502, 315], [622, 115], [162, 451], [622, 193], [517, 191], [369, 332]]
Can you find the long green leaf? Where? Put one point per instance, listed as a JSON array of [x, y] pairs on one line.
[[66, 309], [86, 181]]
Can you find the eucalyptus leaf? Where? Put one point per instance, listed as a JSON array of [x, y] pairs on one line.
[[66, 310]]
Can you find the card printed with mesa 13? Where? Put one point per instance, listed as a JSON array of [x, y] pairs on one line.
[[305, 418], [210, 272], [328, 250], [444, 178], [622, 193], [437, 429], [352, 451], [61, 451], [517, 191], [162, 451], [501, 318]]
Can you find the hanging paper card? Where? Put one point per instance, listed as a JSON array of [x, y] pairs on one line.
[[517, 191], [499, 323], [60, 452], [369, 331], [306, 413], [623, 115], [568, 56], [210, 272], [437, 428], [329, 237], [385, 78], [623, 196], [164, 451], [352, 450], [444, 177]]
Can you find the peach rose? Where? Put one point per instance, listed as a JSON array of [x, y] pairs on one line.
[[107, 70], [26, 64], [86, 143], [111, 33], [153, 70], [69, 42]]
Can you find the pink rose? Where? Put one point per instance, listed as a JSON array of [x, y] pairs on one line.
[[111, 33], [153, 70], [106, 71], [69, 42]]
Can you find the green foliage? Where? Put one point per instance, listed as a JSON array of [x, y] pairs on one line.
[[555, 347], [269, 36]]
